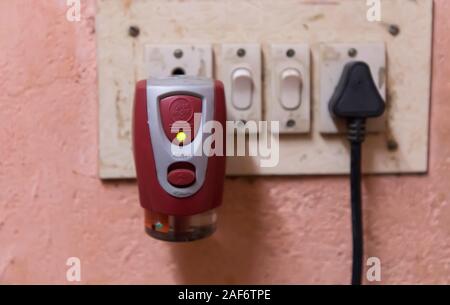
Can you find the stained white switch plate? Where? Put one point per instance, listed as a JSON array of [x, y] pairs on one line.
[[332, 59], [239, 68], [288, 86], [401, 148], [183, 59]]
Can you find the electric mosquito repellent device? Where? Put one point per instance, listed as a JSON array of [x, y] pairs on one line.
[[179, 155]]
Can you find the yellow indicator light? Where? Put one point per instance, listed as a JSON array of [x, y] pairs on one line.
[[181, 137]]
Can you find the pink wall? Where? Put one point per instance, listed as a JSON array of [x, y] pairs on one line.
[[272, 230]]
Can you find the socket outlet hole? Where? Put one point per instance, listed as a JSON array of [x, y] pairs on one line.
[[178, 71]]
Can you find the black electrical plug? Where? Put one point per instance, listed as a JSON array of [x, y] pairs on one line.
[[356, 96], [356, 99]]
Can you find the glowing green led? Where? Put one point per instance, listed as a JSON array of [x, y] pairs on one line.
[[158, 225]]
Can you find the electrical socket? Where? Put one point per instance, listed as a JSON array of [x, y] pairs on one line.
[[332, 59], [168, 60]]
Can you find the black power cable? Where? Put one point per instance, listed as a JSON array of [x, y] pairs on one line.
[[355, 99], [356, 137]]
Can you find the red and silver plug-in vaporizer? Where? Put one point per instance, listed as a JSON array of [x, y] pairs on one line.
[[178, 191]]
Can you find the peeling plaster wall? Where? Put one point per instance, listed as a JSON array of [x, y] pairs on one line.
[[272, 230]]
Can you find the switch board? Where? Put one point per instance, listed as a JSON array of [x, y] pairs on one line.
[[401, 148]]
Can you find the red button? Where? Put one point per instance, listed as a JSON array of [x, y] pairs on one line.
[[181, 177], [180, 108]]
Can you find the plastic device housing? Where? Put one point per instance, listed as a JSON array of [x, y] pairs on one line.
[[175, 213]]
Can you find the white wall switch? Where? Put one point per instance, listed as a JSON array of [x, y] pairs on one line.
[[239, 67], [167, 60], [288, 83], [332, 60]]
